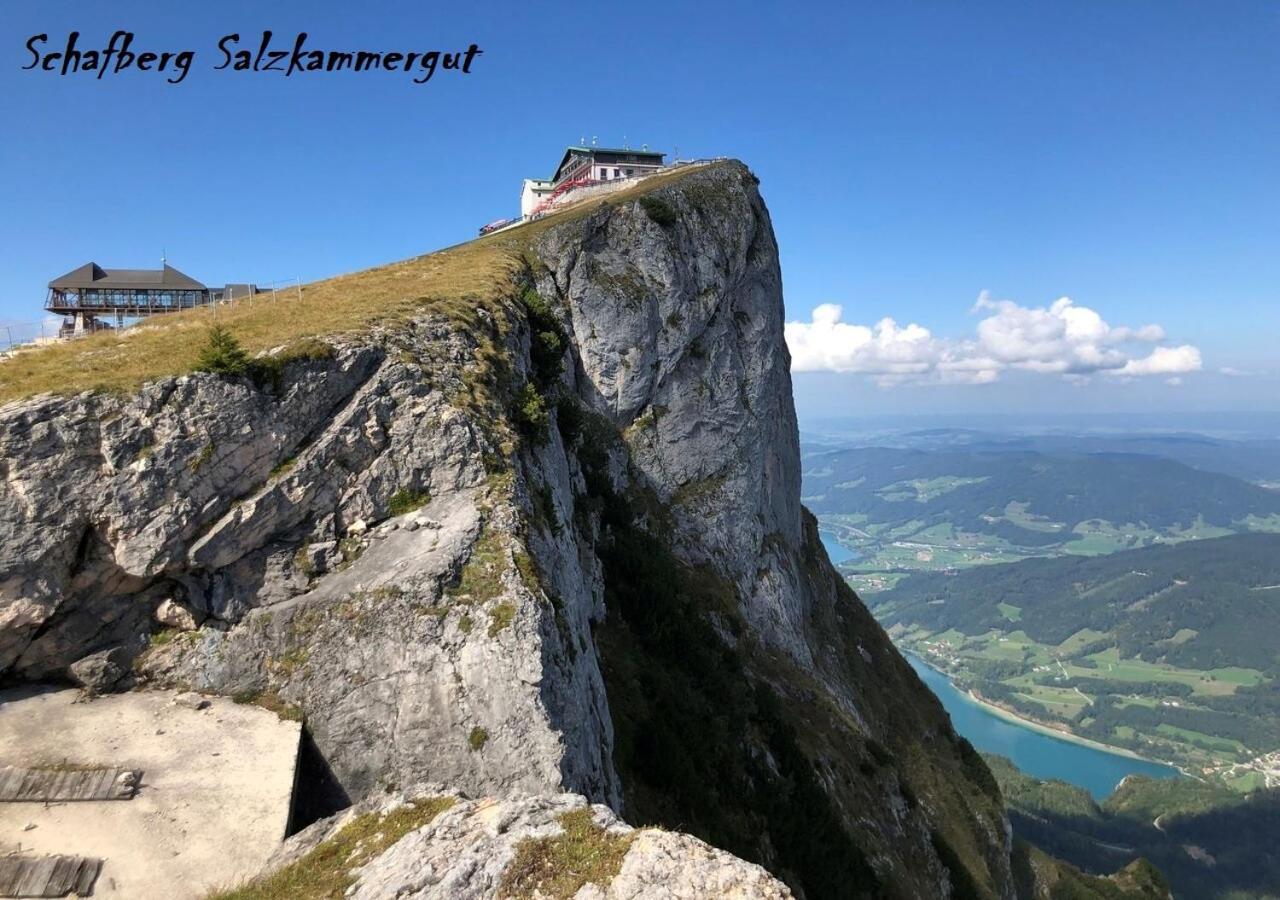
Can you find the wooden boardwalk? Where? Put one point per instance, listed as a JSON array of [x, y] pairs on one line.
[[54, 785], [48, 876]]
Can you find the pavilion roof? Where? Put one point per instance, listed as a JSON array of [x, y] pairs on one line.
[[91, 275]]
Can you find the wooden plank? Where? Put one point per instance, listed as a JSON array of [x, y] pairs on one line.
[[67, 785], [48, 876]]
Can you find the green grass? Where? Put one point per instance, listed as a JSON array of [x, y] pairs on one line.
[[481, 577], [895, 550], [1019, 514], [1249, 781], [1010, 612], [1063, 701], [1078, 641], [501, 617], [270, 701], [1033, 686], [327, 871], [1099, 537], [1262, 523], [1200, 738], [556, 868], [874, 582], [406, 501], [1213, 681], [466, 284]]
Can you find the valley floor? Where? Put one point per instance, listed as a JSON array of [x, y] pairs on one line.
[[1042, 727]]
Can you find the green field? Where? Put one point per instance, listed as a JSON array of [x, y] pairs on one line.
[[888, 552], [916, 546], [1038, 680]]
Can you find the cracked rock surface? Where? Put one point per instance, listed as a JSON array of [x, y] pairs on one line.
[[425, 585], [466, 852]]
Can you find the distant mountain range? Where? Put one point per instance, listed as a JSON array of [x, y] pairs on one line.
[[904, 509], [1252, 459]]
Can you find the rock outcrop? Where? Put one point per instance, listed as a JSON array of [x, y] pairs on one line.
[[555, 545], [490, 848]]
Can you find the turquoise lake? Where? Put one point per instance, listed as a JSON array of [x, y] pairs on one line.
[[1035, 753], [837, 552]]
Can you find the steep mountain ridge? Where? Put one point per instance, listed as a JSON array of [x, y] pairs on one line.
[[542, 539]]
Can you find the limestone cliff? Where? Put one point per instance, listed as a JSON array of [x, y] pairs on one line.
[[541, 541]]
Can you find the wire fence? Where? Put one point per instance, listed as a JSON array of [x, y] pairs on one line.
[[54, 328]]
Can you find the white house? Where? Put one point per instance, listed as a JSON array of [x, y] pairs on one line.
[[588, 165], [534, 192], [605, 164]]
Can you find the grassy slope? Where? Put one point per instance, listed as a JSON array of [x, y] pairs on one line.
[[454, 282]]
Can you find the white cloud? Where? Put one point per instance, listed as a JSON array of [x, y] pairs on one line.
[[1165, 361], [1063, 338]]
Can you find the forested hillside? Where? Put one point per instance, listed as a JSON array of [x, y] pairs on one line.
[[1169, 649], [1209, 842], [901, 510]]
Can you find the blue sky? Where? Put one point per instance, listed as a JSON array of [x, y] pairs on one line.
[[913, 155]]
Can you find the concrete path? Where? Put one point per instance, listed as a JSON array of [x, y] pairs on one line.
[[212, 806]]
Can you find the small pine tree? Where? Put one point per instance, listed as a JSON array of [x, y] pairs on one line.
[[222, 354], [531, 413]]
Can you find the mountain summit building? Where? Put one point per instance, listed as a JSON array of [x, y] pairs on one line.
[[90, 293], [586, 165]]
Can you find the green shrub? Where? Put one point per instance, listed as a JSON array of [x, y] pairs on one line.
[[302, 563], [531, 413], [478, 738], [659, 211], [569, 420], [267, 372], [222, 354], [406, 501], [205, 454], [544, 509], [350, 548], [547, 339]]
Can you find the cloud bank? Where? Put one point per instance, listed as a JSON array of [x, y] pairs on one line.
[[1062, 339]]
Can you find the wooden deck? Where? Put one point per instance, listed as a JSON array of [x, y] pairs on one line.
[[63, 785], [48, 876]]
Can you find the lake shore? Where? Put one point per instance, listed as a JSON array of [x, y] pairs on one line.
[[1040, 727]]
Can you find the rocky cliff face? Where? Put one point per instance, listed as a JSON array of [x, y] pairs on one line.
[[554, 545]]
